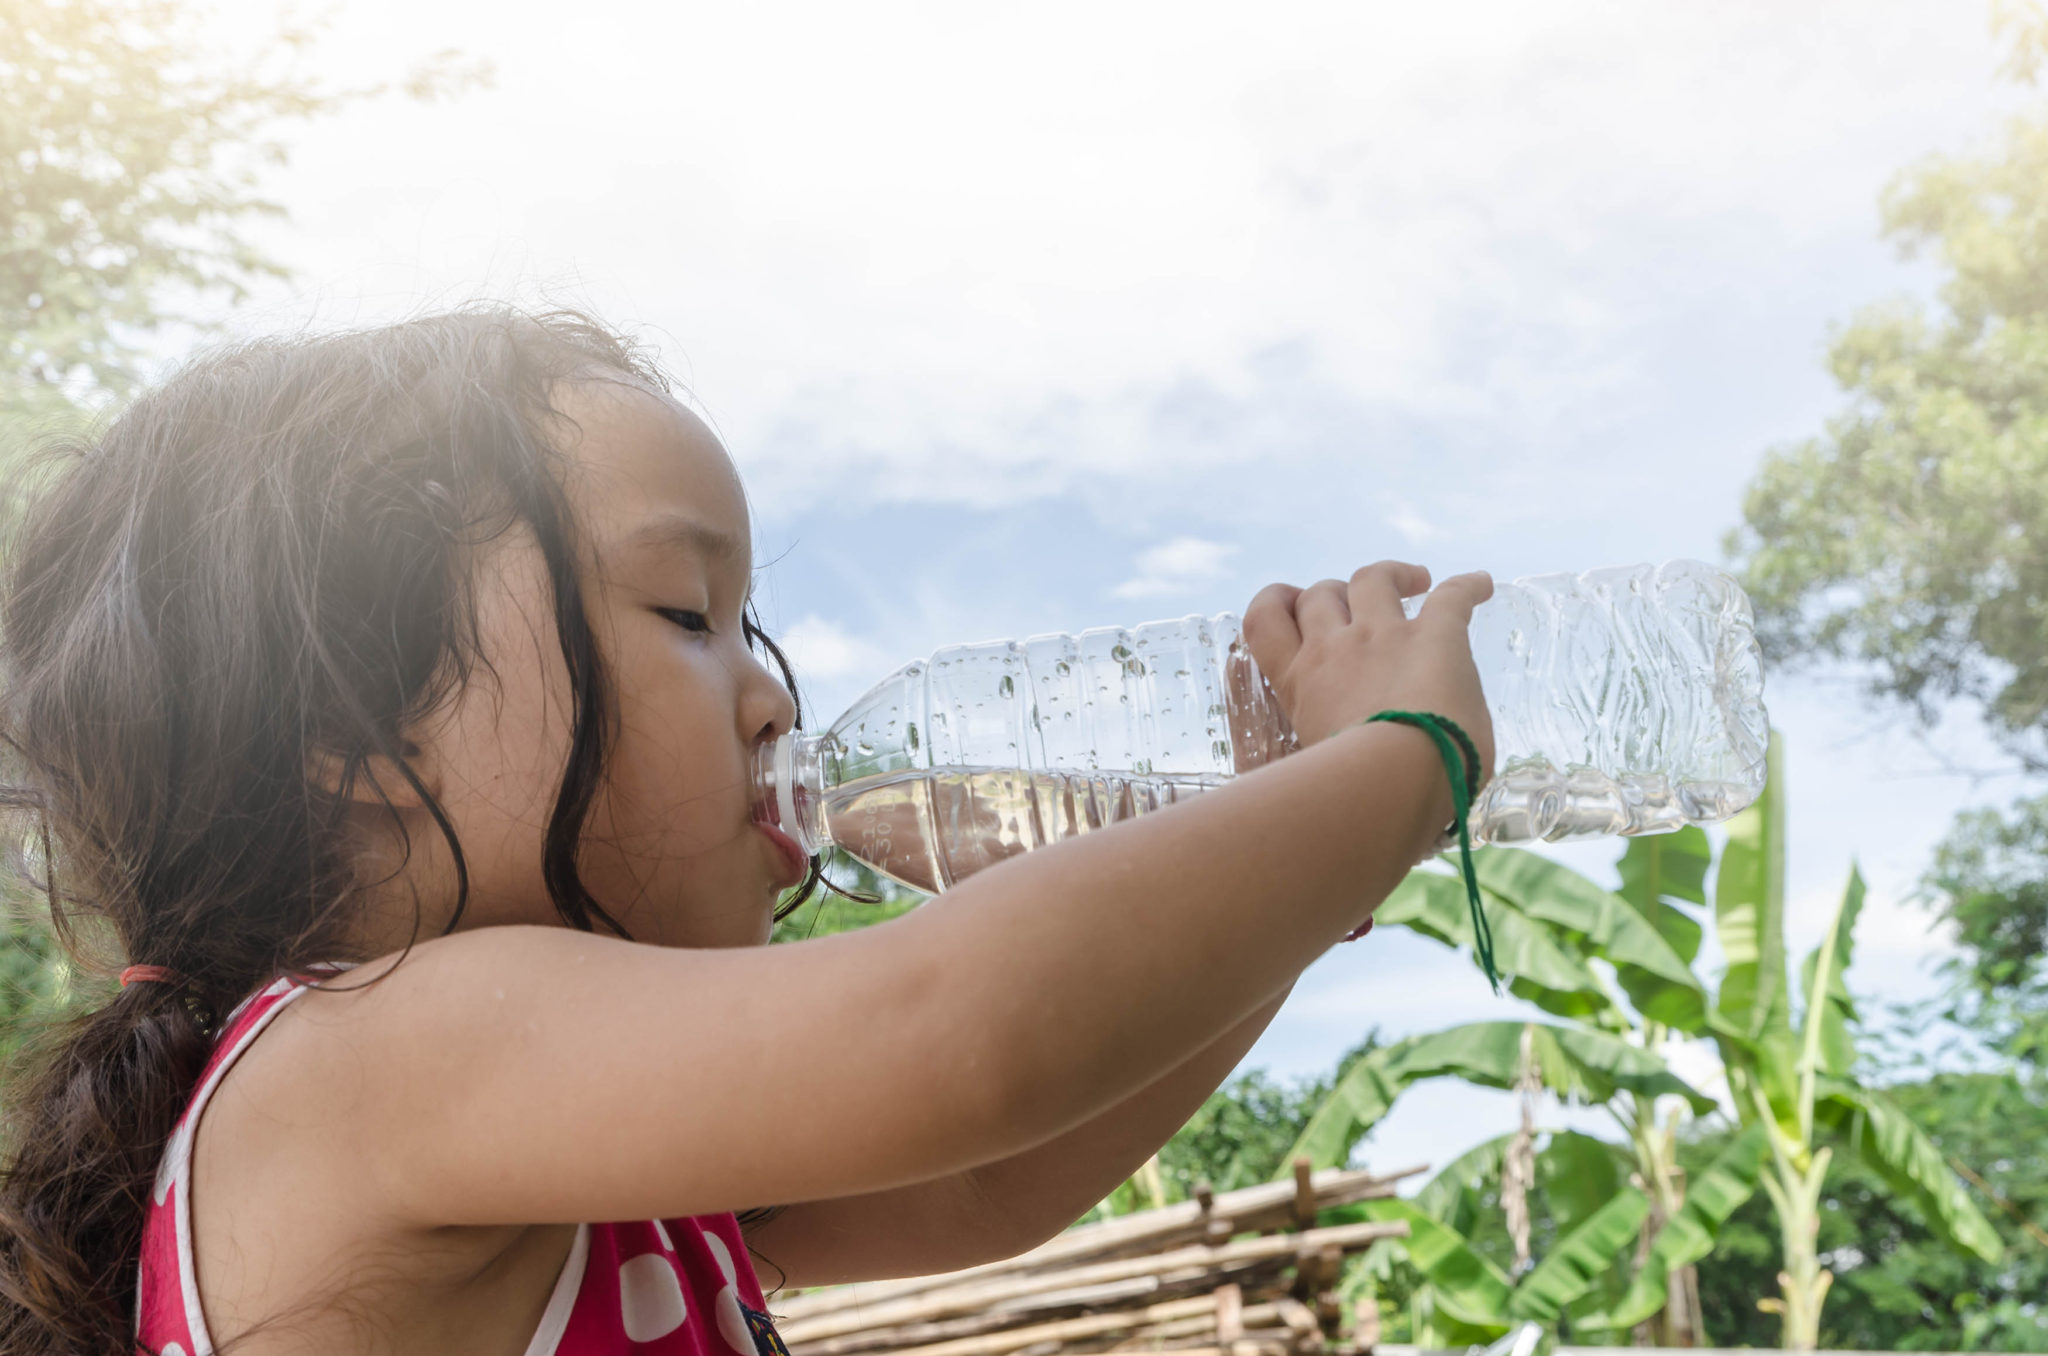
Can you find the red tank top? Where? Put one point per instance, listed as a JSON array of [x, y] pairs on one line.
[[673, 1287]]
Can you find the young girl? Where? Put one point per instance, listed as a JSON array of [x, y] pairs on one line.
[[387, 700]]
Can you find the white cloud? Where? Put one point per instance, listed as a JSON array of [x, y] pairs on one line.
[[1176, 566], [1488, 217], [824, 650], [1409, 522]]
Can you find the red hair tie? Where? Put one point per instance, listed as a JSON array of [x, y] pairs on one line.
[[150, 974]]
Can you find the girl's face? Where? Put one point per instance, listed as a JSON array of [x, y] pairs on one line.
[[670, 849]]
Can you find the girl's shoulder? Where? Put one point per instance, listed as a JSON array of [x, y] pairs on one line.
[[308, 1098], [256, 1135]]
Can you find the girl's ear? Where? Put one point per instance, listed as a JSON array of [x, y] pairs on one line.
[[378, 780]]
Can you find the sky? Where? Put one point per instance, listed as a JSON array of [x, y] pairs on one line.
[[1033, 318]]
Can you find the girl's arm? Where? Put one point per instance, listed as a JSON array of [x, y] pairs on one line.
[[529, 1075], [998, 1209]]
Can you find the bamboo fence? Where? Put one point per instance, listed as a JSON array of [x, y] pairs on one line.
[[1246, 1273]]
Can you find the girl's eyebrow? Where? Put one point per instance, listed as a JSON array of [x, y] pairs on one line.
[[669, 531]]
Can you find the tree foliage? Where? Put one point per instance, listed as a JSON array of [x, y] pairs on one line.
[[1242, 1134], [131, 163], [1989, 879], [1905, 537]]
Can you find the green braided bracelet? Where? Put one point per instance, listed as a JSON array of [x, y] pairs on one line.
[[1461, 761]]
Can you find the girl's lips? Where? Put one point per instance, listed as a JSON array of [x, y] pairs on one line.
[[795, 865]]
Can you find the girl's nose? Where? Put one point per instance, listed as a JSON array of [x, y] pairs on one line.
[[767, 710]]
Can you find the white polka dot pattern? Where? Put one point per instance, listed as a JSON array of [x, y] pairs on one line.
[[732, 1323], [650, 1297], [732, 1320], [720, 1256]]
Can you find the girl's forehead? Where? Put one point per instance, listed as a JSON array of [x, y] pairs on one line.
[[640, 458]]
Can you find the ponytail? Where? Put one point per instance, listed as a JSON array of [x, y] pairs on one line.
[[89, 1118]]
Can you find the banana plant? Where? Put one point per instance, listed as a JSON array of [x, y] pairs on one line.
[[1793, 1083], [1597, 1218], [1549, 925]]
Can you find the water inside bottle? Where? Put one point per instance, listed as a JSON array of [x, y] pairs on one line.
[[931, 828]]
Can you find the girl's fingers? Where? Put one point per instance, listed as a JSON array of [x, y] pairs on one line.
[[1270, 631], [1377, 590], [1456, 597], [1323, 606]]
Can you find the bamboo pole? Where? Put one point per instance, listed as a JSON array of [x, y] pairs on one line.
[[1250, 1318], [959, 1299], [1090, 1325], [1229, 1314], [1037, 1308], [1254, 1317], [1365, 1330], [1269, 1205], [1298, 1319], [1261, 1271]]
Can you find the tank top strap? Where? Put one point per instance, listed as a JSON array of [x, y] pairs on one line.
[[168, 1318]]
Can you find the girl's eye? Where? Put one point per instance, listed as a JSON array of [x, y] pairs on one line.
[[689, 621]]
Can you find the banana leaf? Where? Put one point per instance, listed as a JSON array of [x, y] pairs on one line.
[[1660, 867], [1579, 1174], [1885, 1137], [1540, 970], [1590, 1066], [1470, 1288], [1769, 1065], [1579, 1258], [1596, 922], [1828, 1045], [1480, 1163], [1710, 1199], [1749, 912]]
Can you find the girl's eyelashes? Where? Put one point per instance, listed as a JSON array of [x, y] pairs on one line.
[[690, 621]]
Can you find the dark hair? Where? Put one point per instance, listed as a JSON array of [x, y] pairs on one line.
[[263, 560]]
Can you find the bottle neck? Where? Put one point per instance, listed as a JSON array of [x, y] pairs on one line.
[[789, 788]]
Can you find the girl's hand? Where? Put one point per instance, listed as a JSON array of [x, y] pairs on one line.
[[1338, 653]]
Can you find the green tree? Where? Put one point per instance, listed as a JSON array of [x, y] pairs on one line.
[[1243, 1133], [1904, 538], [1990, 879], [1239, 1137], [131, 164]]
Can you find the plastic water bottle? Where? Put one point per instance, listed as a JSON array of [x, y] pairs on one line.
[[1625, 701]]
